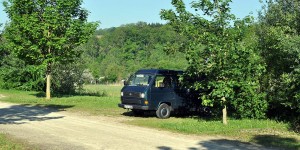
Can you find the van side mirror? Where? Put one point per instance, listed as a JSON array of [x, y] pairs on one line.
[[125, 82]]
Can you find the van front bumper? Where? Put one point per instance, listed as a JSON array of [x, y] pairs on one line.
[[129, 106]]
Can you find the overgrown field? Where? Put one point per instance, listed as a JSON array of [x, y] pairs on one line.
[[264, 132]]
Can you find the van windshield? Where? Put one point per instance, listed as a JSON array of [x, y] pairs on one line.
[[140, 80]]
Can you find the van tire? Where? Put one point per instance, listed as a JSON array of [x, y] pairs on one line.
[[163, 111]]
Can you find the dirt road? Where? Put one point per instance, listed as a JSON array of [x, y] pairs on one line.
[[56, 129]]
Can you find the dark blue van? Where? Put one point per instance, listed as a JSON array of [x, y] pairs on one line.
[[155, 90]]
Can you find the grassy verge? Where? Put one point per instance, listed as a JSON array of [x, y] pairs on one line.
[[105, 105], [264, 132], [8, 143]]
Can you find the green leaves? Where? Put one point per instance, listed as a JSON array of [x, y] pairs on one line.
[[117, 52], [48, 30], [217, 51], [44, 32], [279, 44]]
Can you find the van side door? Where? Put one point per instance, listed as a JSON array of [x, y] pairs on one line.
[[162, 91]]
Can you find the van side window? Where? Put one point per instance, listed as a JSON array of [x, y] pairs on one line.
[[164, 81], [159, 81]]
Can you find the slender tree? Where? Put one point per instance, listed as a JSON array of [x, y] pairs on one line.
[[44, 32], [220, 62]]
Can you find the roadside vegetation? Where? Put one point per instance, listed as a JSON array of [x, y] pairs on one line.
[[266, 132], [9, 143]]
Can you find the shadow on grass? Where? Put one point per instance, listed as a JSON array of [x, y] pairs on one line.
[[96, 94], [20, 114], [225, 144], [152, 114], [220, 144], [197, 116], [145, 114], [277, 141]]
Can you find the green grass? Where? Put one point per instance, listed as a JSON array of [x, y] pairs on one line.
[[105, 105], [110, 90], [264, 132], [8, 143]]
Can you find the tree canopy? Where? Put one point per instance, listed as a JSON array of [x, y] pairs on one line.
[[42, 33], [229, 68], [279, 42], [115, 53]]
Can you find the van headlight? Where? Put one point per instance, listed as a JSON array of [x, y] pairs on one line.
[[121, 93], [142, 95]]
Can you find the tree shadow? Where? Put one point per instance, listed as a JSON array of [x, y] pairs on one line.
[[146, 114], [220, 144], [277, 141], [197, 116], [224, 144], [152, 114], [96, 94], [20, 114], [164, 148]]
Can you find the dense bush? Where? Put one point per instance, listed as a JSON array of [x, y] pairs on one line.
[[14, 74], [279, 43], [67, 78]]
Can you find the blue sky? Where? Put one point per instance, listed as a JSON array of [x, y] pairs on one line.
[[113, 13], [117, 12]]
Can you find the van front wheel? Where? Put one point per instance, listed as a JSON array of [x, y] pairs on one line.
[[163, 111]]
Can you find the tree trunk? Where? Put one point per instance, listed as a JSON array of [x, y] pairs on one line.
[[224, 115], [224, 111], [48, 95], [48, 84], [48, 72]]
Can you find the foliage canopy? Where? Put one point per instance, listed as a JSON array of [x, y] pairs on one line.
[[42, 33], [220, 61]]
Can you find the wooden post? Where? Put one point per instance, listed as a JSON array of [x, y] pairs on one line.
[[224, 111]]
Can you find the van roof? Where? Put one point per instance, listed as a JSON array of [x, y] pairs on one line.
[[159, 71]]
